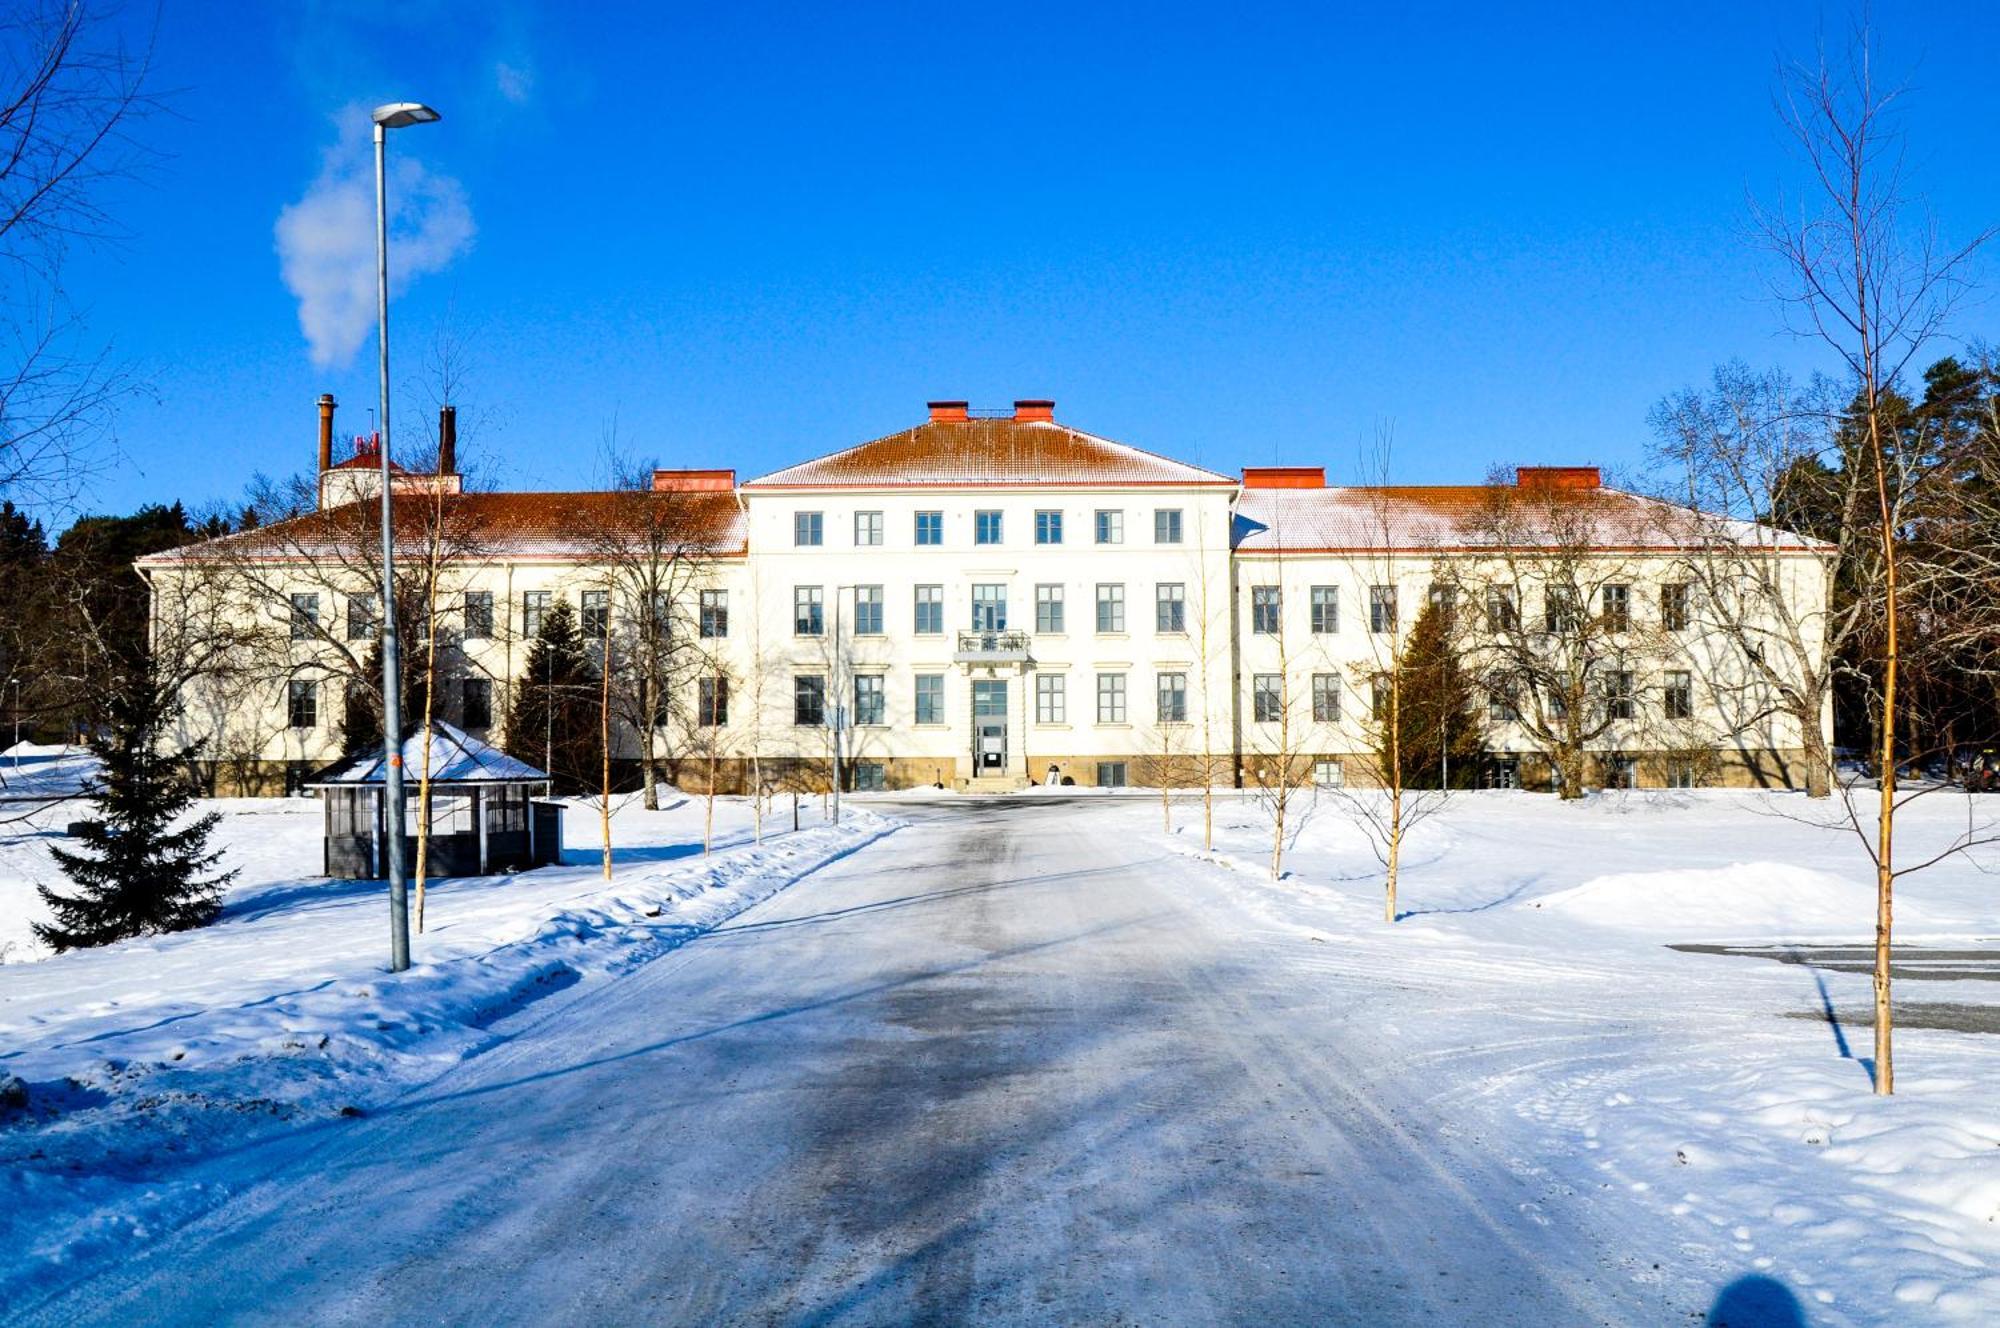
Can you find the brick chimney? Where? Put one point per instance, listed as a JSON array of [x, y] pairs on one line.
[[326, 404], [1043, 411], [447, 440], [949, 412]]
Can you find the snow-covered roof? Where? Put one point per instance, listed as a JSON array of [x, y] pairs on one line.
[[945, 453], [456, 757]]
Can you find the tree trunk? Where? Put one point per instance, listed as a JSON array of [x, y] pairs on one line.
[[1570, 763], [604, 721], [649, 771], [1885, 873], [1819, 761]]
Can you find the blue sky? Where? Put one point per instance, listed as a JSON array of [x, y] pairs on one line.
[[1239, 235]]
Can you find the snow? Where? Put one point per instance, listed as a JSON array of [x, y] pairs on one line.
[[32, 771], [145, 1055]]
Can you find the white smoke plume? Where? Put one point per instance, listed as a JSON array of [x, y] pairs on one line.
[[326, 240]]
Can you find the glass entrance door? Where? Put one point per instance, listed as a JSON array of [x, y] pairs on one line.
[[989, 727]]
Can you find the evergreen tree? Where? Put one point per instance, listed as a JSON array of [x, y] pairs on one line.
[[1439, 711], [361, 702], [553, 722], [142, 868]]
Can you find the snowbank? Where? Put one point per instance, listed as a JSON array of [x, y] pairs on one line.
[[1745, 901]]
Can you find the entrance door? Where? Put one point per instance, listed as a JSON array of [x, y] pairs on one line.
[[989, 727]]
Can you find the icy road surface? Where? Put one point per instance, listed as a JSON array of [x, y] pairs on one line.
[[993, 1068]]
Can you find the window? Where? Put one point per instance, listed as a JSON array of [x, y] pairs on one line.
[[1110, 608], [1618, 695], [930, 528], [1620, 771], [1325, 610], [1381, 608], [989, 608], [1048, 527], [1443, 598], [1326, 698], [868, 699], [1167, 526], [868, 610], [1502, 772], [1503, 614], [930, 610], [1329, 773], [1379, 694], [714, 614], [1050, 705], [986, 527], [1111, 698], [711, 702], [1111, 774], [808, 611], [1559, 609], [867, 529], [1173, 698], [534, 608], [870, 776], [808, 529], [930, 698], [1680, 695], [596, 622], [1110, 527], [1501, 707], [361, 617], [305, 617], [1618, 608], [1674, 611], [1264, 610], [478, 615], [1048, 608], [809, 699], [476, 703], [302, 704], [1681, 773], [1267, 698], [1170, 607]]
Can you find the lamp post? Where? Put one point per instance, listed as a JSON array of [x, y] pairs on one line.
[[395, 115]]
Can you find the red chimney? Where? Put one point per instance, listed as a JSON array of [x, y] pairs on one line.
[[447, 440], [1284, 477], [949, 412], [1557, 477], [325, 432], [1035, 410]]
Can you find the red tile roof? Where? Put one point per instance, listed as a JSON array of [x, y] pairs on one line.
[[948, 453]]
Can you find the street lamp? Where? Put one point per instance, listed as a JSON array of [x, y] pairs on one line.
[[395, 115]]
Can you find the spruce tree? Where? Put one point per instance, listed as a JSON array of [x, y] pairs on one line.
[[1440, 710], [143, 868], [553, 721]]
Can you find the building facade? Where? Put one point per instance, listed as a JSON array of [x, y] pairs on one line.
[[990, 599]]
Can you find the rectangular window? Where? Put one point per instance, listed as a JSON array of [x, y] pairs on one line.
[[1618, 695], [1381, 608], [1048, 527], [1674, 607], [1443, 598], [1325, 610], [1680, 695], [1620, 771], [1501, 707], [808, 529], [1170, 607], [867, 529], [1502, 772], [478, 615], [870, 777], [1049, 608], [986, 528], [596, 620], [1167, 525], [1503, 613], [302, 704], [714, 614], [1110, 608], [930, 529], [1111, 774], [305, 617], [1111, 698], [1326, 698], [930, 698], [808, 611], [534, 608], [1559, 610], [1050, 704], [711, 702], [1379, 693], [868, 610], [1681, 773], [1618, 608], [361, 617], [1264, 610], [1266, 698], [930, 610], [1110, 527], [1329, 774], [869, 706], [1173, 698], [475, 709], [809, 700], [989, 608]]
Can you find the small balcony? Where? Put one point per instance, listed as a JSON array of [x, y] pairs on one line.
[[992, 648]]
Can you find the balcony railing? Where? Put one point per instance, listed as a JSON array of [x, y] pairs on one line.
[[992, 647]]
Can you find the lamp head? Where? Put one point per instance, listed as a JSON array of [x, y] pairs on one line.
[[402, 114]]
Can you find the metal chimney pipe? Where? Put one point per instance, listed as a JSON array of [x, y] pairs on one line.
[[447, 440], [326, 404]]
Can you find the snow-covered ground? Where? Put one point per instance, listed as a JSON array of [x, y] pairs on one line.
[[1528, 992], [146, 1055]]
